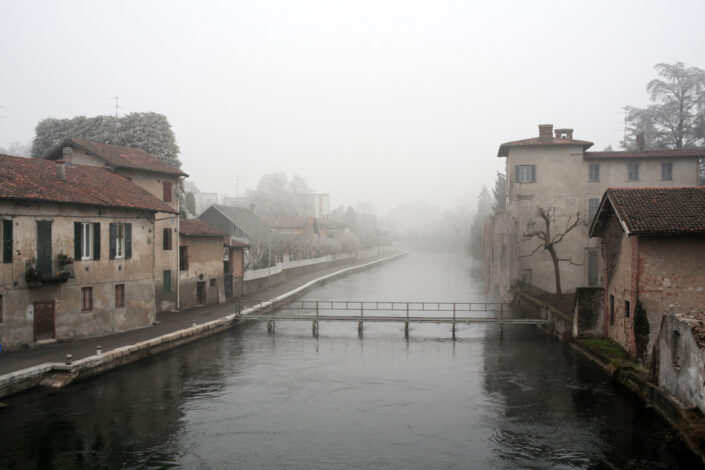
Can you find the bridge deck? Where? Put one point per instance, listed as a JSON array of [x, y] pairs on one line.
[[394, 319]]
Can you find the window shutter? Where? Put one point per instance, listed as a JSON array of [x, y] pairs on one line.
[[128, 241], [167, 191], [77, 240], [7, 241], [112, 241], [96, 240], [533, 173]]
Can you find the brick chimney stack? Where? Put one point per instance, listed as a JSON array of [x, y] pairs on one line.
[[640, 142], [564, 134], [67, 154], [546, 132]]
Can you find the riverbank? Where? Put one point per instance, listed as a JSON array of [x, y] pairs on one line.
[[49, 366], [689, 424]]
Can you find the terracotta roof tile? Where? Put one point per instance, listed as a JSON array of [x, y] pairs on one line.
[[119, 157], [199, 228], [538, 142], [657, 211], [667, 153], [36, 180]]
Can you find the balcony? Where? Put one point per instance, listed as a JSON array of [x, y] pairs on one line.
[[39, 271]]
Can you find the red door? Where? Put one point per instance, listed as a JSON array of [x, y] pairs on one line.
[[44, 320]]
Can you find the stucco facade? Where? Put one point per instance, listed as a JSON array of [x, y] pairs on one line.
[[559, 173], [71, 317], [166, 257], [202, 276]]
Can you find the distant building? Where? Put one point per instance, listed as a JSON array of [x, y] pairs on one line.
[[556, 171], [312, 205], [238, 223], [653, 251], [203, 201], [78, 254]]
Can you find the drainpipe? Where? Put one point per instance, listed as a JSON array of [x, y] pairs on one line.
[[178, 248]]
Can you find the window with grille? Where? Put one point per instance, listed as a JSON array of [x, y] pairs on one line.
[[526, 173]]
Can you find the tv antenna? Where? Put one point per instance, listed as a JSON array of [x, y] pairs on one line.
[[116, 117]]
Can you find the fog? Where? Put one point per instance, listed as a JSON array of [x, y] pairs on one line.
[[388, 102]]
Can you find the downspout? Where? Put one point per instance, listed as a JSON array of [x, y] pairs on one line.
[[178, 249]]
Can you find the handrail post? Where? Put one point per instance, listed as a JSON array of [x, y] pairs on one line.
[[316, 307]]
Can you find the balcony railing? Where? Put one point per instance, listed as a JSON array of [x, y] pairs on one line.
[[48, 270]]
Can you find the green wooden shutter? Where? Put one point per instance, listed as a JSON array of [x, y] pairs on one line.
[[112, 241], [167, 282], [7, 241], [128, 241], [96, 240], [77, 240]]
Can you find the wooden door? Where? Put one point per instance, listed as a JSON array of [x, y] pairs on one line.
[[201, 292], [44, 320]]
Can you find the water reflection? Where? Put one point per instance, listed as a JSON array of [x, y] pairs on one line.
[[249, 399]]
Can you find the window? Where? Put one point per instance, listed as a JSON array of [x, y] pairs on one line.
[[666, 171], [183, 258], [633, 170], [167, 191], [593, 206], [627, 308], [167, 239], [526, 173], [86, 237], [86, 299], [119, 295], [592, 268], [7, 241], [212, 282], [167, 282], [120, 241], [594, 172], [611, 309]]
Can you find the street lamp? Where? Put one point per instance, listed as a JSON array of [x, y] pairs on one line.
[[269, 256]]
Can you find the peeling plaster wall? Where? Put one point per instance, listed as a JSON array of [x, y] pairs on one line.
[[205, 262], [102, 275], [681, 362]]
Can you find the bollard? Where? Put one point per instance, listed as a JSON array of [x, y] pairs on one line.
[[193, 325], [98, 351], [69, 359]]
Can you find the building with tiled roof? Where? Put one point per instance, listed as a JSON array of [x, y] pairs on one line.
[[113, 156], [78, 251], [155, 176], [653, 252], [556, 171], [211, 264]]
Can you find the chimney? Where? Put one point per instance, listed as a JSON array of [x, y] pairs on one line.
[[564, 134], [67, 154], [640, 142], [546, 132], [61, 170]]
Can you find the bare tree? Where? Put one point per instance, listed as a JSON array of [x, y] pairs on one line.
[[549, 240]]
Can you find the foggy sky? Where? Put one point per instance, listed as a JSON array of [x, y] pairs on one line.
[[380, 101]]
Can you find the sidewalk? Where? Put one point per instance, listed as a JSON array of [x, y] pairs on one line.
[[168, 322]]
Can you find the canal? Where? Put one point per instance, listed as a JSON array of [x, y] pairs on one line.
[[249, 399]]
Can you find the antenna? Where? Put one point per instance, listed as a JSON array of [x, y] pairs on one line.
[[116, 117]]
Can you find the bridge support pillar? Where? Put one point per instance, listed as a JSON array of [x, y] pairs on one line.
[[453, 330], [359, 329], [406, 329], [314, 328], [270, 326]]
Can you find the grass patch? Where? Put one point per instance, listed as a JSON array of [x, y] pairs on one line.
[[605, 348]]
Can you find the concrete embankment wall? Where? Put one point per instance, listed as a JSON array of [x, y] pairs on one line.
[[56, 375]]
